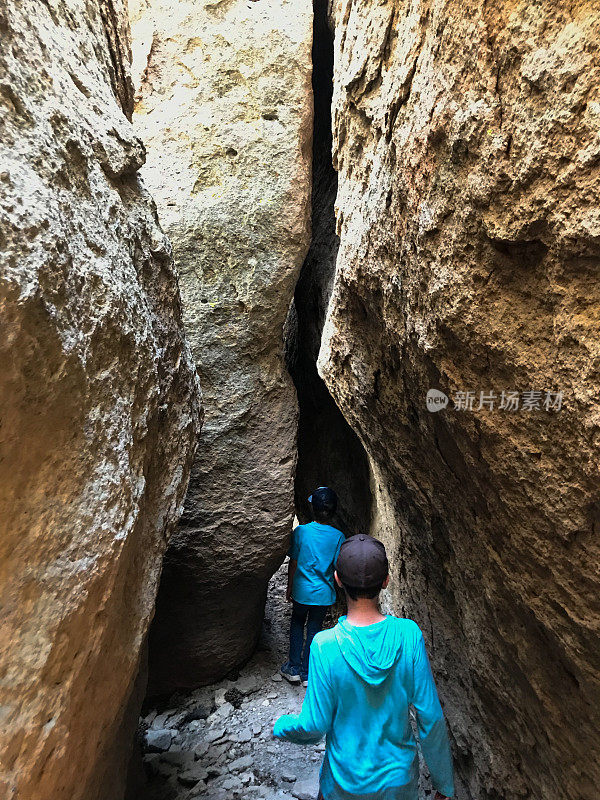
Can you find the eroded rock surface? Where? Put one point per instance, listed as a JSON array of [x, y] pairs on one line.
[[99, 399], [467, 142], [225, 109]]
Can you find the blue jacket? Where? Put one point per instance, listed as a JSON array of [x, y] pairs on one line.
[[361, 683]]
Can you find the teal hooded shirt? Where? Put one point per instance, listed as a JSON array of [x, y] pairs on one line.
[[362, 681]]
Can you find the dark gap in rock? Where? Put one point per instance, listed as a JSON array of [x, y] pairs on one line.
[[329, 452]]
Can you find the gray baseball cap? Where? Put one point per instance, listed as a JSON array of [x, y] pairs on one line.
[[362, 562]]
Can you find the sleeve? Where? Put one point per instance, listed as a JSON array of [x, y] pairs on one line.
[[295, 544], [316, 717], [431, 724]]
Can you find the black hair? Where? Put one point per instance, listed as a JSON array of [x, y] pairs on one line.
[[369, 593], [322, 514], [324, 504]]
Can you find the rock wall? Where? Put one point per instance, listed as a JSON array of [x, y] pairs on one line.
[[225, 109], [467, 142], [98, 395]]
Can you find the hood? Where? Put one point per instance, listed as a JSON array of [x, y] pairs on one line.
[[370, 651]]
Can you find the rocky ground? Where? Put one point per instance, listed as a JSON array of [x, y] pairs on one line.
[[217, 742]]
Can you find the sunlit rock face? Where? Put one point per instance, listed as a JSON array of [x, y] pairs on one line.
[[224, 106], [99, 401], [467, 142]]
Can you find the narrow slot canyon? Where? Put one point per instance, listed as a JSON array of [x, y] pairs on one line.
[[252, 247]]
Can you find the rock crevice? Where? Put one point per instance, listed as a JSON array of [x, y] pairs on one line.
[[329, 451]]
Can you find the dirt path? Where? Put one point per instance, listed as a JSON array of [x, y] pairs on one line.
[[217, 742]]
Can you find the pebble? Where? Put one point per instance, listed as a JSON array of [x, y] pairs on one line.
[[158, 740], [179, 758], [225, 710], [217, 751], [220, 696], [149, 719], [151, 762], [277, 677], [201, 749], [256, 729], [230, 783], [288, 776], [215, 734], [306, 790], [265, 703], [245, 735], [272, 696], [160, 719], [245, 762], [192, 776], [248, 684]]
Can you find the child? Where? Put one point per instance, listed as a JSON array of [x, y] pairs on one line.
[[313, 553], [364, 675]]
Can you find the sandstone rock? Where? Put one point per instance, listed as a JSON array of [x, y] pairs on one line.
[[99, 400], [224, 107], [466, 139]]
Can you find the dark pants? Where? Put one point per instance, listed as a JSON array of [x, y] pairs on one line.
[[312, 617]]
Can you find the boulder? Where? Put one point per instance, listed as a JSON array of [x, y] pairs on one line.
[[99, 399], [224, 106], [466, 138]]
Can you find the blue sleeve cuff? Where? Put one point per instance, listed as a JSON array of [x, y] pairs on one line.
[[279, 729]]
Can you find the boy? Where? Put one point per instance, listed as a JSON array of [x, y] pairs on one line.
[[313, 553], [364, 675]]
